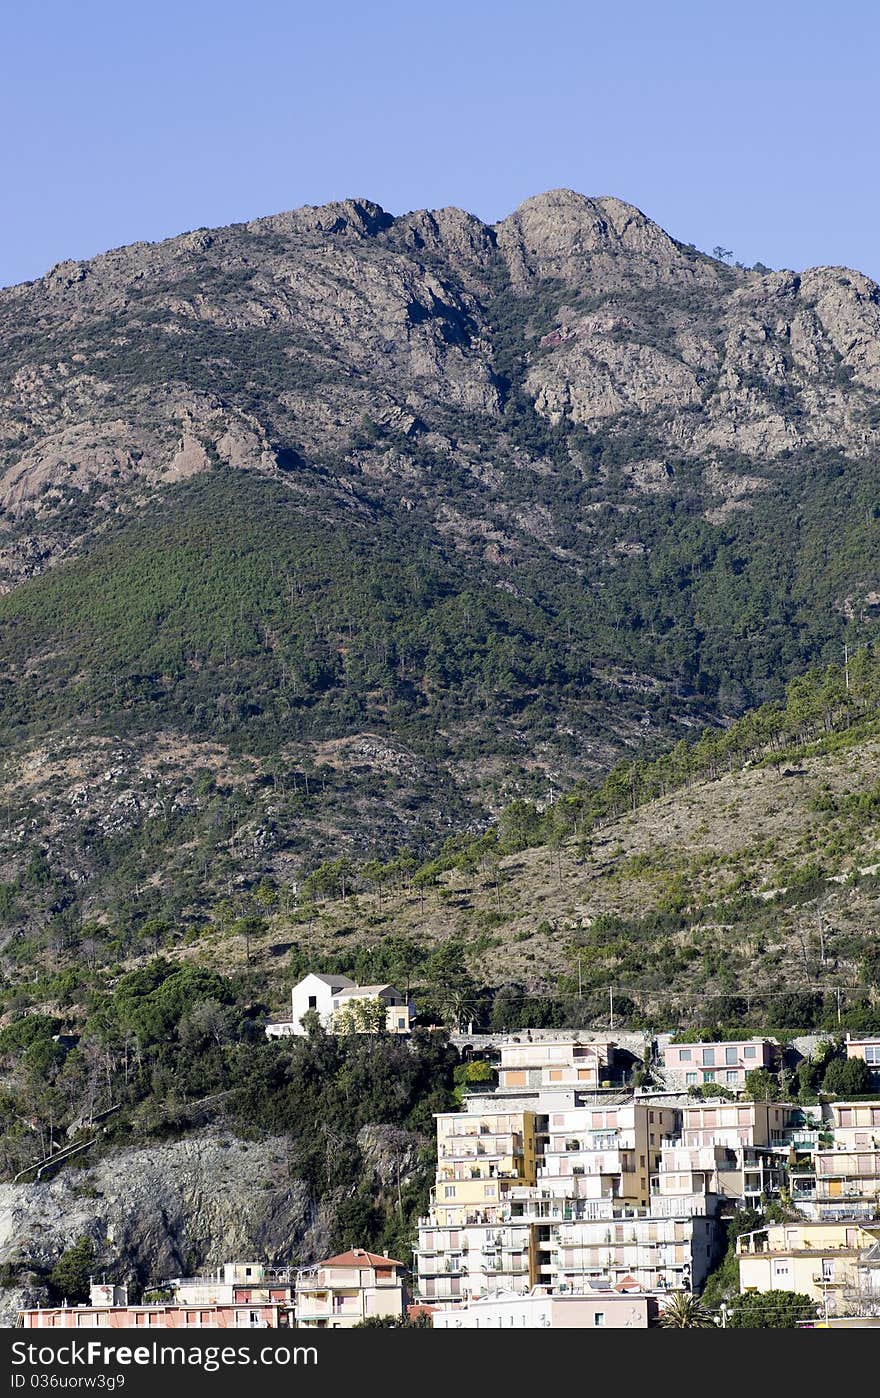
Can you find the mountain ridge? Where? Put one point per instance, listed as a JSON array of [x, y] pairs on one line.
[[505, 501]]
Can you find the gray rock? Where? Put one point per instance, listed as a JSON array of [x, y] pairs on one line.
[[163, 1210]]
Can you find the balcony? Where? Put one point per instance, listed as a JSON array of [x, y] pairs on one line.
[[855, 1189], [805, 1140], [803, 1188]]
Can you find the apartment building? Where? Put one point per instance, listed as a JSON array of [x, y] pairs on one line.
[[537, 1187], [868, 1049], [642, 1250], [461, 1263], [544, 1199], [732, 1150], [604, 1152], [349, 1288], [235, 1283], [479, 1157], [843, 1179], [824, 1260], [847, 1183], [757, 1124], [108, 1308], [540, 1309], [568, 1245], [462, 1251], [856, 1125], [696, 1179], [556, 1064], [725, 1062]]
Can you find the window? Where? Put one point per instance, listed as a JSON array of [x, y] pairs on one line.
[[730, 1056], [684, 1055], [599, 1318], [708, 1057], [313, 1002], [401, 1024], [732, 1076], [750, 1051], [449, 1191], [489, 1191], [691, 1077], [872, 1055], [708, 1076]]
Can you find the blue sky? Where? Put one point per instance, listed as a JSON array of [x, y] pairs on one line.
[[755, 126]]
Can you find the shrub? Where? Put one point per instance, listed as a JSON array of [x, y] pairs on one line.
[[771, 1310]]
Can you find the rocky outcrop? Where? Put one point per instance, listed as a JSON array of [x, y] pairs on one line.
[[265, 346], [182, 1207], [165, 1210], [389, 1153]]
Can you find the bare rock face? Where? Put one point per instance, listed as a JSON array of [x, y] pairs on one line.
[[166, 1210], [847, 309], [603, 243], [390, 1153], [597, 372]]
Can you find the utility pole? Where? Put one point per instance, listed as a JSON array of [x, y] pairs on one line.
[[580, 980], [837, 989], [846, 664], [611, 1004]]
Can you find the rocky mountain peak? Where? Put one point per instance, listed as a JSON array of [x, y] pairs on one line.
[[358, 218], [602, 240]]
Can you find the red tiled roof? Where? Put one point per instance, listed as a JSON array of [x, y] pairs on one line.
[[359, 1257]]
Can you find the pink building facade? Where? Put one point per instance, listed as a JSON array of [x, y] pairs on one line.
[[722, 1064]]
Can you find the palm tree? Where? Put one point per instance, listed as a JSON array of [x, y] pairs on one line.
[[684, 1312], [458, 1002]]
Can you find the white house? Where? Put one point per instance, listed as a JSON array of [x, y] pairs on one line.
[[329, 996], [398, 1011]]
